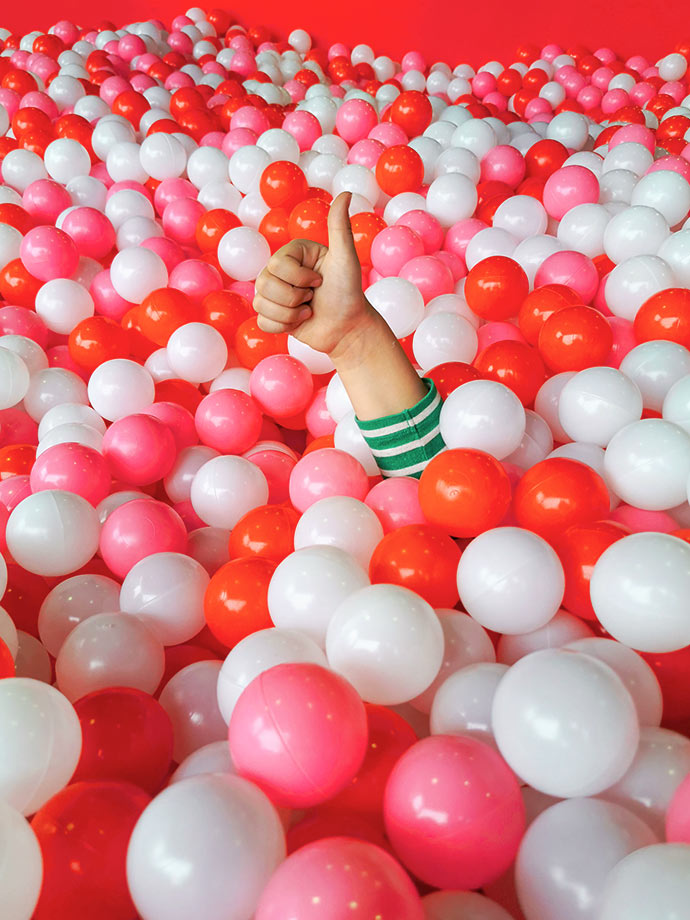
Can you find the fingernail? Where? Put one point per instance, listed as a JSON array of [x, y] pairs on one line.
[[304, 314]]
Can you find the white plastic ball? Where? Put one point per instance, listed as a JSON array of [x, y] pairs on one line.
[[536, 444], [242, 253], [65, 159], [633, 281], [125, 204], [667, 192], [596, 403], [651, 882], [196, 352], [451, 197], [570, 128], [279, 145], [191, 701], [399, 302], [14, 378], [522, 216], [492, 241], [72, 601], [462, 704], [676, 406], [483, 415], [120, 387], [636, 231], [387, 642], [21, 873], [211, 758], [561, 630], [52, 387], [340, 521], [22, 167], [675, 252], [162, 156], [225, 489], [205, 165], [441, 337], [62, 303], [655, 366], [134, 273]]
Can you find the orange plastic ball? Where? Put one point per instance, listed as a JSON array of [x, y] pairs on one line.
[[412, 111], [496, 287], [6, 661], [309, 221], [274, 227], [665, 315], [97, 339], [464, 491], [236, 600], [579, 548], [225, 311], [575, 338], [421, 557], [538, 306], [253, 344], [283, 185], [559, 493], [514, 364], [399, 169], [212, 226], [267, 532], [450, 375], [16, 460], [365, 227], [181, 392], [163, 311], [18, 286]]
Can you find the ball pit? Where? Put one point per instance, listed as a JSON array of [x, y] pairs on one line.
[[243, 675]]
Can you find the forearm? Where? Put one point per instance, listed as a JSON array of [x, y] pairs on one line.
[[375, 371]]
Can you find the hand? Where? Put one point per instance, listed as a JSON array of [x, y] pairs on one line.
[[315, 292]]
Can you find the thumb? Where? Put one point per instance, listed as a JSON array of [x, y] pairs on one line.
[[340, 240]]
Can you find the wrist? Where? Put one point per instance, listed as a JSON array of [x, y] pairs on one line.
[[370, 334]]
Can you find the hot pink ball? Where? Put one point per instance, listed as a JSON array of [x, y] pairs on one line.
[[48, 253], [10, 100], [639, 520], [366, 152], [138, 529], [107, 301], [169, 251], [40, 101], [504, 164], [355, 119], [22, 321], [457, 266], [613, 100], [130, 46], [573, 269], [16, 427], [92, 232], [318, 418], [453, 812], [59, 356], [281, 385], [336, 877], [195, 278], [277, 467], [389, 134], [413, 60], [304, 127], [326, 472], [299, 731], [589, 97], [247, 116], [678, 815], [179, 420], [426, 226], [498, 332], [14, 490], [229, 421], [430, 275], [296, 90], [624, 340], [170, 190], [139, 449], [459, 235], [569, 187], [393, 248], [45, 200], [483, 84], [73, 468], [180, 218], [236, 138], [537, 109], [675, 164], [396, 502]]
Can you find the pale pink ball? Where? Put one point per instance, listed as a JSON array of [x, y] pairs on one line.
[[195, 278], [169, 251], [498, 332], [317, 417], [138, 529], [389, 134], [459, 235], [236, 138], [229, 421], [304, 127], [365, 152], [247, 116], [634, 134], [92, 232], [179, 420], [393, 248], [355, 119], [573, 269], [45, 200], [429, 275], [106, 299], [326, 472], [639, 520], [48, 253], [569, 187], [396, 502], [503, 164], [281, 385], [180, 218], [426, 226]]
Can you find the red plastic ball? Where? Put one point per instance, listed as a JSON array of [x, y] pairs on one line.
[[412, 111], [540, 304], [464, 491], [267, 531], [559, 493], [514, 364], [163, 311], [450, 375], [236, 600], [365, 227], [545, 157], [283, 185], [666, 315], [421, 557], [579, 547], [212, 226], [95, 340], [399, 169], [253, 344], [496, 287], [309, 221], [574, 338]]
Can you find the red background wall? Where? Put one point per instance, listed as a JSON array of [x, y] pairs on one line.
[[450, 30]]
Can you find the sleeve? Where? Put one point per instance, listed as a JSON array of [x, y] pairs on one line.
[[403, 444]]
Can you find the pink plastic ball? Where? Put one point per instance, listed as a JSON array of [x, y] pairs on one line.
[[106, 300], [326, 472], [336, 877], [426, 226], [457, 266], [413, 60], [299, 731], [171, 190], [355, 119], [318, 418], [277, 467], [180, 218], [639, 520], [281, 385], [393, 248], [366, 152], [454, 812], [396, 502], [10, 100], [573, 269], [138, 529], [45, 200], [247, 116], [673, 164], [483, 84], [195, 278], [304, 127], [139, 449], [389, 134], [498, 332], [589, 97], [92, 232], [236, 138], [569, 187], [459, 235], [22, 321], [613, 100], [503, 164], [48, 253], [430, 275], [678, 814], [170, 252], [296, 90], [17, 427], [73, 468], [179, 420], [14, 490], [229, 421], [624, 340]]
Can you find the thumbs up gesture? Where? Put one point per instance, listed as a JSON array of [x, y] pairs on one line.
[[315, 292]]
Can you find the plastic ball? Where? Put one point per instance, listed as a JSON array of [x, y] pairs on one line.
[[120, 387], [228, 421], [49, 253], [665, 315], [399, 302], [653, 620], [595, 730], [575, 338], [326, 472], [225, 488], [138, 528], [655, 367], [242, 253], [235, 602], [135, 272], [443, 337], [468, 783], [302, 702], [596, 403], [238, 816], [483, 415], [15, 378], [196, 352], [22, 873], [627, 891], [341, 521], [462, 703], [139, 449], [39, 762], [189, 698], [443, 905]]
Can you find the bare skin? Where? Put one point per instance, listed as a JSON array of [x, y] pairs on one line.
[[314, 292]]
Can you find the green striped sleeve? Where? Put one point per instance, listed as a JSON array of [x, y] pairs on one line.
[[403, 444]]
